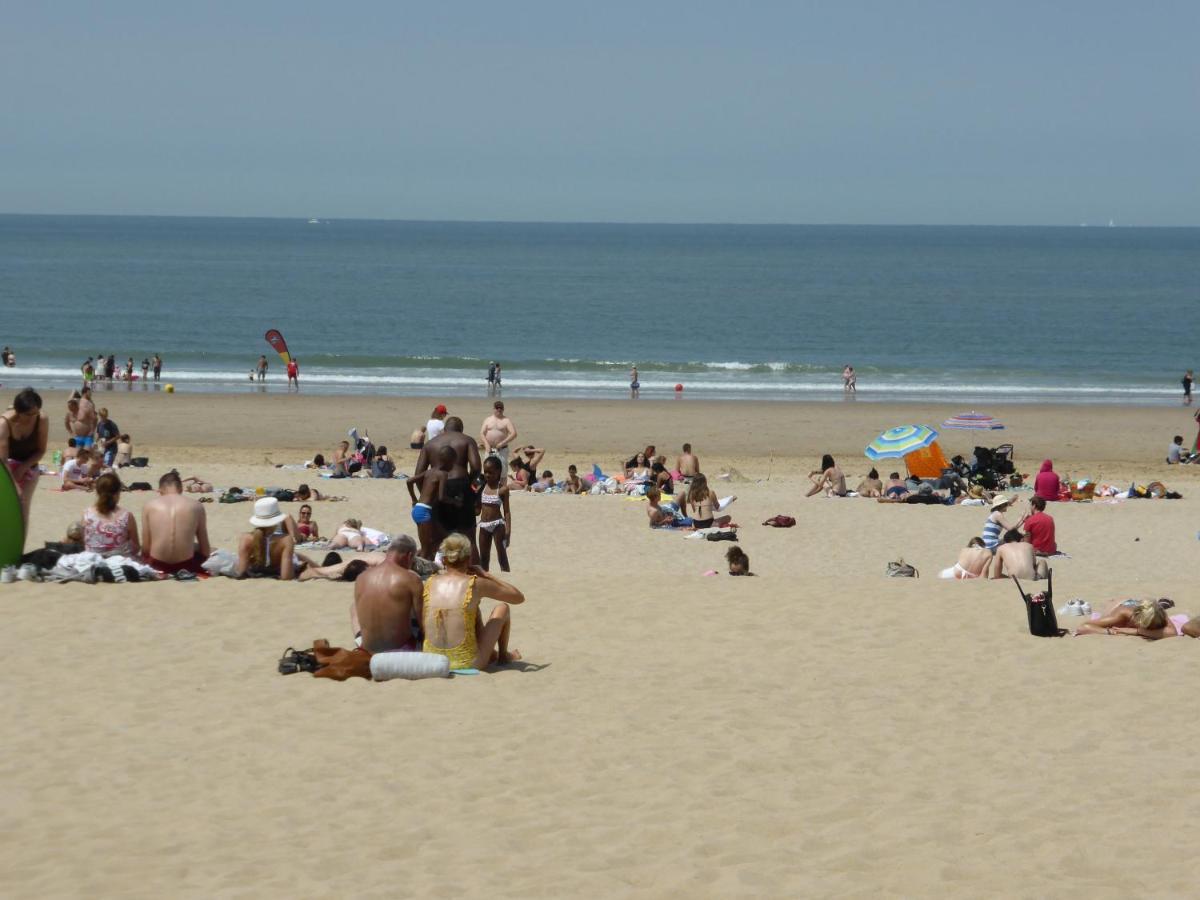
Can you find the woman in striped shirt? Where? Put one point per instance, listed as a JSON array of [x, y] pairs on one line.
[[995, 526]]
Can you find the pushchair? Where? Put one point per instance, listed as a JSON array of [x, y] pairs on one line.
[[993, 466]]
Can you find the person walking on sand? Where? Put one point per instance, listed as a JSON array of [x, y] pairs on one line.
[[1187, 387], [635, 386], [293, 373]]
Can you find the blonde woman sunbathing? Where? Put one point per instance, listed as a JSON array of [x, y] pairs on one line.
[[1148, 619], [349, 535]]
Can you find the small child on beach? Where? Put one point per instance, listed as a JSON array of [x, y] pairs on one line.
[[433, 483], [495, 518], [124, 451]]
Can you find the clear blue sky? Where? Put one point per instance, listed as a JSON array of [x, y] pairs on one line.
[[888, 112]]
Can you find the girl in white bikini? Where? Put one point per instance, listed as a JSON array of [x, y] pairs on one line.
[[495, 518]]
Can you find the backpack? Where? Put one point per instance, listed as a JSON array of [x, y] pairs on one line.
[[901, 569], [780, 522], [1040, 610]]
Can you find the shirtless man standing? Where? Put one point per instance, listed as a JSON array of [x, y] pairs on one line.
[[174, 529], [387, 598], [497, 433], [456, 509], [688, 463], [85, 420]]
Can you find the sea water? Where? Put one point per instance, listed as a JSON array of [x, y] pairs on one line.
[[967, 315]]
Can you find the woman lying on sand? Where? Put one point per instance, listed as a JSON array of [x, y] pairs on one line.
[[265, 550], [1147, 619], [828, 478], [870, 486], [450, 611], [349, 535]]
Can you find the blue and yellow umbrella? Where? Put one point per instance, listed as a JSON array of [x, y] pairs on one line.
[[898, 442]]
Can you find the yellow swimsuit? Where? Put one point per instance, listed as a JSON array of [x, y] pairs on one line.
[[463, 656]]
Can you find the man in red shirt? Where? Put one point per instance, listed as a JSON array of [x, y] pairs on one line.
[[293, 373], [1039, 529]]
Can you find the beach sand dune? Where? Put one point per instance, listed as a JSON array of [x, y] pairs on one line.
[[817, 729]]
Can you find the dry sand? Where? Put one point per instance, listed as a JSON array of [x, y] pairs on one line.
[[818, 729]]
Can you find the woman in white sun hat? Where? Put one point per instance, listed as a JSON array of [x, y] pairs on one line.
[[995, 526], [269, 549]]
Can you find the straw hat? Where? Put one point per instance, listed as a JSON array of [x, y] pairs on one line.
[[266, 513], [1000, 500]]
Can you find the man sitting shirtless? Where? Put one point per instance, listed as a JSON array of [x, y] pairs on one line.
[[1016, 557], [174, 529], [387, 600]]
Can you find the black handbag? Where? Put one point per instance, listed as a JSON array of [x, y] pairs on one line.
[[1040, 610]]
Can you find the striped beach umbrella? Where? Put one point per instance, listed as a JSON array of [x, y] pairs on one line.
[[900, 441], [972, 421]]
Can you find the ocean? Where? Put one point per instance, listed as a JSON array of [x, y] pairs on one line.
[[966, 315]]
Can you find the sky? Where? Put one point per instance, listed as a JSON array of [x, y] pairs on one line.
[[835, 112]]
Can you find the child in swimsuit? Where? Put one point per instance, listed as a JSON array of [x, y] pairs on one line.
[[495, 518], [433, 488]]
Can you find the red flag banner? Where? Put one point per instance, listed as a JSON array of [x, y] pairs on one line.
[[275, 339]]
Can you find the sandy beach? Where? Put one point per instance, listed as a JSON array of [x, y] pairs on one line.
[[819, 729]]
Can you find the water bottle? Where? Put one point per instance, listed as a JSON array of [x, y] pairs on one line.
[[57, 457]]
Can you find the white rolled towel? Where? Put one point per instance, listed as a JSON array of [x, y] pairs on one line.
[[411, 666]]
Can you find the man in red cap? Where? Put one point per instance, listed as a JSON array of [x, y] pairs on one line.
[[437, 423]]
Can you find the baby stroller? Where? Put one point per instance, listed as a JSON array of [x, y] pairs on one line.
[[992, 467]]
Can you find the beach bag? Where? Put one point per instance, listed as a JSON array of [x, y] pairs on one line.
[[901, 569], [284, 494], [140, 462], [1040, 610], [721, 536], [340, 664], [780, 521]]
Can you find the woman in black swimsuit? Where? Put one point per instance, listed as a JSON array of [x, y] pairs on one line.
[[24, 432]]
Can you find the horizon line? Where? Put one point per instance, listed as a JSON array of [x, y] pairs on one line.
[[654, 223]]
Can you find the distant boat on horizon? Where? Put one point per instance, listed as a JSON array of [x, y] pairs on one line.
[[314, 221]]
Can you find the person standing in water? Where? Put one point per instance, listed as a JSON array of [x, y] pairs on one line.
[[491, 377], [849, 380], [1187, 387], [262, 368], [293, 373], [157, 366], [635, 386]]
